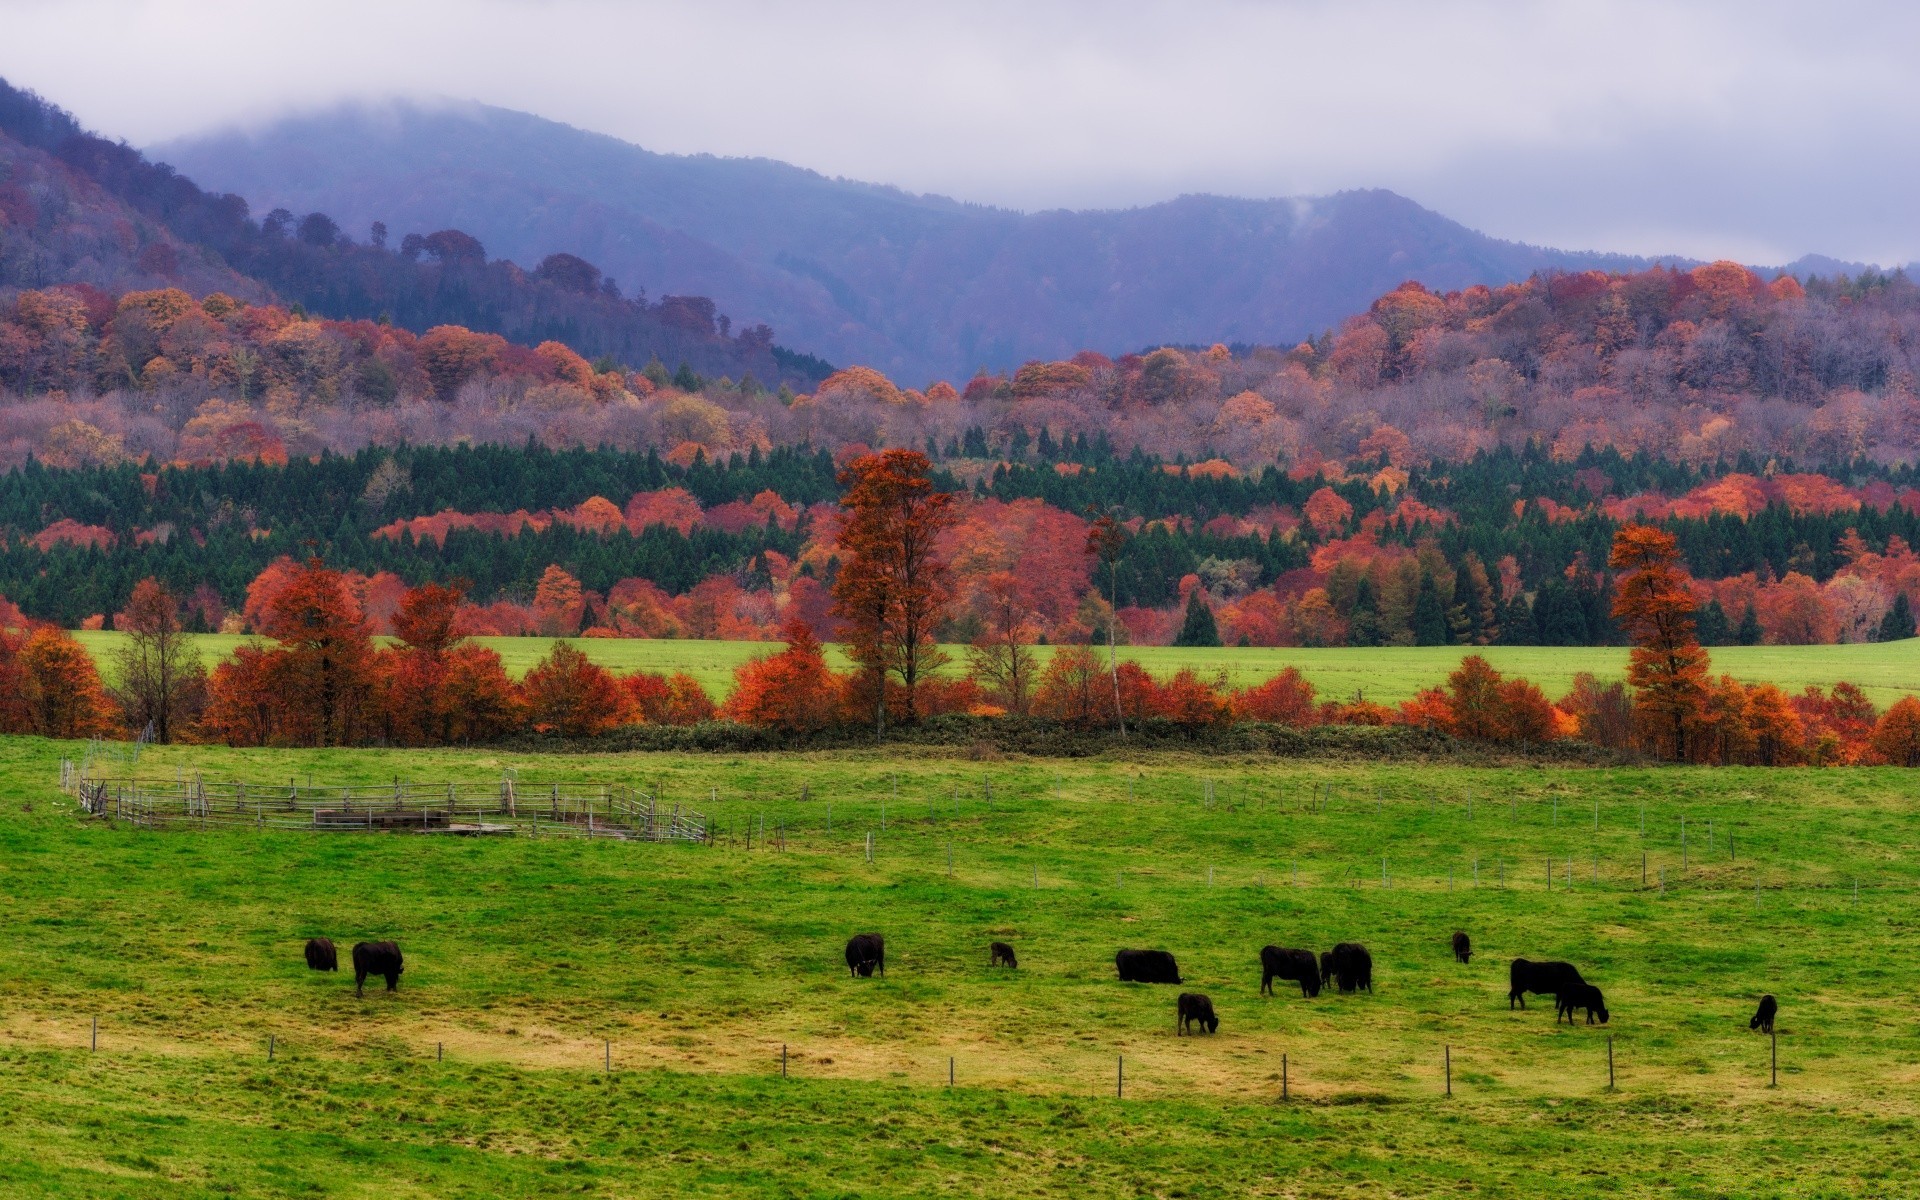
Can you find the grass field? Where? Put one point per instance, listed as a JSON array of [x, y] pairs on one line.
[[527, 958], [1886, 671]]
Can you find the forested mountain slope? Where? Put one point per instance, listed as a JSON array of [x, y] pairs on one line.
[[918, 286], [437, 276]]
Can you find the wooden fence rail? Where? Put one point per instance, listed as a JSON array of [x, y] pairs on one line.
[[617, 812]]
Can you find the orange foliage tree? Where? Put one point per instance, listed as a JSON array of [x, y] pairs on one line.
[[316, 687], [569, 695], [1896, 738], [793, 690], [439, 687], [558, 603], [62, 690], [1668, 667], [1286, 699], [893, 588], [676, 699]]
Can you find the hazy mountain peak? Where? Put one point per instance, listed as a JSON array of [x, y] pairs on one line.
[[919, 285]]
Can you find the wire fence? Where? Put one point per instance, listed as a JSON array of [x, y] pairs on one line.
[[600, 811]]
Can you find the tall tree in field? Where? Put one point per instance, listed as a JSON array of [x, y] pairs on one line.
[[322, 670], [1002, 657], [1106, 538], [1668, 667], [438, 686], [893, 588], [63, 691], [162, 680]]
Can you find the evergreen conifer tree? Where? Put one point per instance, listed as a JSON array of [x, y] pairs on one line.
[[1898, 624], [1198, 629]]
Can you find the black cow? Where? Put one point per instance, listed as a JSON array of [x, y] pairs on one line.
[[1147, 966], [321, 955], [1002, 955], [376, 958], [1583, 995], [1763, 1020], [865, 953], [1297, 965], [1462, 947], [1540, 978], [1349, 965], [1193, 1008]]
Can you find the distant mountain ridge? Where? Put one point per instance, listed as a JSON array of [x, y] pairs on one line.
[[78, 208], [919, 286]]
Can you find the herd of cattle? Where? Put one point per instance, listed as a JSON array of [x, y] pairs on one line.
[[1348, 966]]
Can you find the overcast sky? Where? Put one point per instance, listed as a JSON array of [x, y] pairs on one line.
[[1756, 130]]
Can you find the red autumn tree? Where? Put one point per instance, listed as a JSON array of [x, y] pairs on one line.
[[1896, 739], [1106, 538], [322, 671], [1286, 699], [793, 690], [1526, 715], [438, 687], [1429, 709], [558, 603], [242, 700], [572, 696], [1473, 697], [893, 588], [14, 717], [1654, 604], [481, 701], [676, 699], [63, 693], [1190, 701], [1072, 687], [1777, 737]]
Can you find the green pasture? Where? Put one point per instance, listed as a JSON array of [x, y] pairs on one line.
[[1388, 675], [530, 961]]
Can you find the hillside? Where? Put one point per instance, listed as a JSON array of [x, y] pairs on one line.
[[78, 208], [918, 286]]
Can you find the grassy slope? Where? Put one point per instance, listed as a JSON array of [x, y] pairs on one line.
[[699, 963], [1886, 671]]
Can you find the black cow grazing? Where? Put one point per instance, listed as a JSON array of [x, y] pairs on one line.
[[1297, 965], [1462, 947], [1194, 1009], [1582, 995], [321, 955], [1540, 978], [867, 952], [1350, 966], [1002, 955], [1763, 1019], [1147, 966], [376, 958]]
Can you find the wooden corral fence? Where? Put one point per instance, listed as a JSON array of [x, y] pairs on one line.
[[600, 811]]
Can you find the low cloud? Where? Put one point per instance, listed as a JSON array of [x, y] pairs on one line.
[[1762, 130]]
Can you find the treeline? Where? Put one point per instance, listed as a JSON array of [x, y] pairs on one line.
[[1269, 559], [323, 681]]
